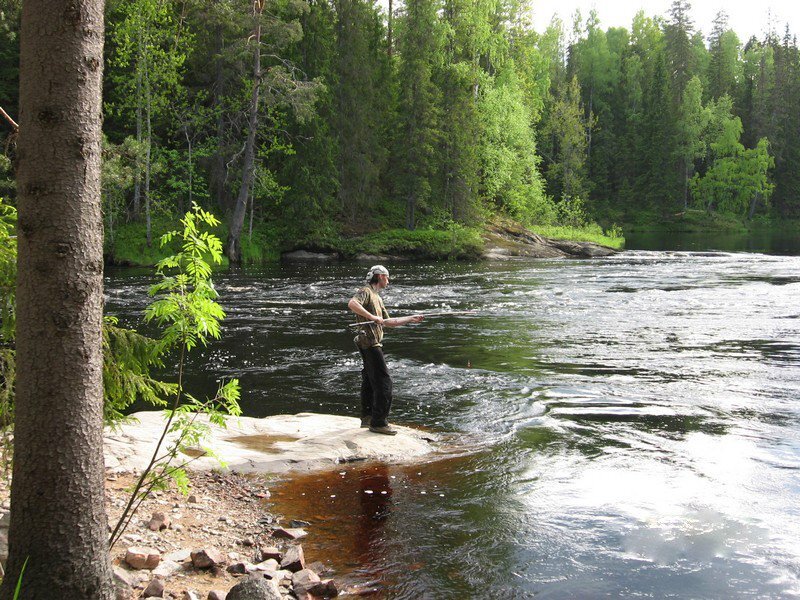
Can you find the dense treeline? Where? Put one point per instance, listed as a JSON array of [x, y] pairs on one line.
[[305, 120]]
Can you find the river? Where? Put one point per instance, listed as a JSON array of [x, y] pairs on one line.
[[629, 426]]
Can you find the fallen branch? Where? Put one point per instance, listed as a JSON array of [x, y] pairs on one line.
[[11, 121]]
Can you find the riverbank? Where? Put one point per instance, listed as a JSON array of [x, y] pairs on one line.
[[201, 545], [702, 222], [128, 247]]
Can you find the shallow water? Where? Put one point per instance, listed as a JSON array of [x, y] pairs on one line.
[[634, 421]]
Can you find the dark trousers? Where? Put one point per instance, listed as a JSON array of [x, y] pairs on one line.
[[376, 386]]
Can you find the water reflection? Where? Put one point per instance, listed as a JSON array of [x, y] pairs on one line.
[[636, 417], [374, 495]]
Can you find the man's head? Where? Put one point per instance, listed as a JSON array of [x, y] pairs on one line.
[[378, 275]]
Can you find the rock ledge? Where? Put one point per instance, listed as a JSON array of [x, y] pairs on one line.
[[278, 444], [505, 241]]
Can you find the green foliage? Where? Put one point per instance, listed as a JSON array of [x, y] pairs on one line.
[[186, 310], [468, 113], [261, 246], [129, 245], [7, 183], [571, 212], [8, 279], [128, 358], [458, 242], [8, 271], [511, 179], [736, 180], [566, 126], [592, 232]]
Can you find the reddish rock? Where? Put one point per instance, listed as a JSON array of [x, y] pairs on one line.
[[206, 558], [268, 565], [216, 595], [289, 533], [158, 522], [154, 589], [293, 559], [303, 581], [142, 558], [269, 552], [329, 588]]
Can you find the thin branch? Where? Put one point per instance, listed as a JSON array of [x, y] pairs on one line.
[[11, 121], [127, 513]]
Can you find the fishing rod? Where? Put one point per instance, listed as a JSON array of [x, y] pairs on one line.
[[440, 313]]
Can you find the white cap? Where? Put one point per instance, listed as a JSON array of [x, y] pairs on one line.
[[376, 270]]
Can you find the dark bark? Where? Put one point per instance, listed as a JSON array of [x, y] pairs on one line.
[[58, 519]]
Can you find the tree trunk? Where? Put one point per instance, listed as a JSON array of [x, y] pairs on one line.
[[753, 205], [411, 205], [58, 519], [589, 128], [233, 250], [685, 185]]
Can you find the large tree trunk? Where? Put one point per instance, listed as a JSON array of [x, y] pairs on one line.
[[58, 519], [233, 249]]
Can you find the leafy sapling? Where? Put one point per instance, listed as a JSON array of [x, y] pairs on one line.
[[185, 308]]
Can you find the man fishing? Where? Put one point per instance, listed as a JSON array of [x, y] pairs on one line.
[[376, 383]]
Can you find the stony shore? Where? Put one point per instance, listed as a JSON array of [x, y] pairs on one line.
[[222, 541]]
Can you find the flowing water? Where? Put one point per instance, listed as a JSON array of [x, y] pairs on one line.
[[634, 422]]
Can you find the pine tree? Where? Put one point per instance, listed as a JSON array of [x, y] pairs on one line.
[[417, 150], [361, 104]]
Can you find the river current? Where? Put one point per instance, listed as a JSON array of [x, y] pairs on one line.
[[628, 426]]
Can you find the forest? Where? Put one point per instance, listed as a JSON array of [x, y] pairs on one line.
[[313, 123]]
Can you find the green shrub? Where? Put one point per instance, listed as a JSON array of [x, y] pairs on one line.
[[457, 242]]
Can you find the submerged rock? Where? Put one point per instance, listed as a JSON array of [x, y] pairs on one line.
[[305, 255]]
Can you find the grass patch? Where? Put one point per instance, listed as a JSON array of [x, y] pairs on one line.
[[455, 243], [611, 238], [129, 245], [262, 247]]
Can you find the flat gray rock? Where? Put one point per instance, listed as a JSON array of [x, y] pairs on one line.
[[277, 444], [305, 255], [254, 588]]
